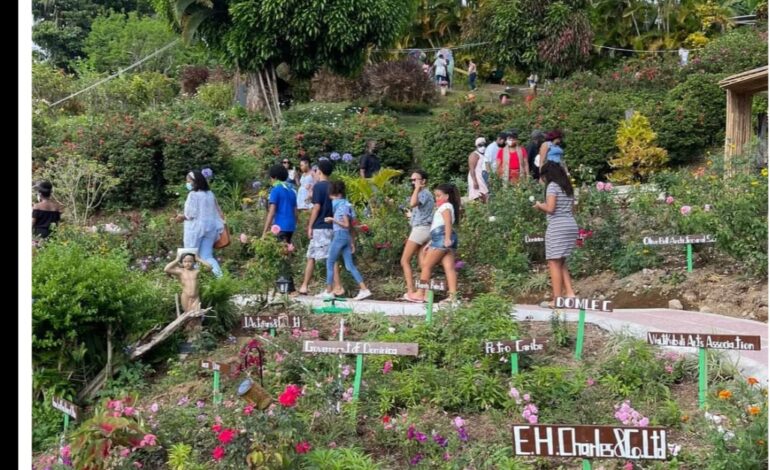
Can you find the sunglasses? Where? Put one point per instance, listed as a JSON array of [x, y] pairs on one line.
[[415, 179], [285, 162]]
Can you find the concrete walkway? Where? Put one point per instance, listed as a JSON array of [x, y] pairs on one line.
[[636, 322]]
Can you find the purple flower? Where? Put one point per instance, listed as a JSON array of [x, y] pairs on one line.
[[320, 159], [200, 404], [459, 264], [335, 156], [207, 173], [462, 434], [256, 185], [421, 437], [411, 433], [440, 440], [347, 158], [416, 459]]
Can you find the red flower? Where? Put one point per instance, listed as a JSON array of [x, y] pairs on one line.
[[302, 448], [107, 428], [386, 419], [289, 396], [216, 427], [218, 453], [364, 228], [226, 436]]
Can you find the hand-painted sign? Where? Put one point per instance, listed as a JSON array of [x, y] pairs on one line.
[[541, 238], [514, 346], [265, 322], [360, 347], [678, 239], [589, 442], [434, 285], [65, 406], [700, 340], [223, 368], [584, 304]]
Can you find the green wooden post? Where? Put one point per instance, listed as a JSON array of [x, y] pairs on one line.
[[217, 395], [429, 308], [514, 360], [66, 421], [586, 464], [359, 372], [272, 331], [702, 377], [689, 257], [580, 332]]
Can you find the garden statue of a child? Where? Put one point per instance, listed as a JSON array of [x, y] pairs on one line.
[[183, 267]]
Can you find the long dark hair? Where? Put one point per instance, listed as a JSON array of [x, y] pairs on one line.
[[199, 181], [454, 198], [552, 172]]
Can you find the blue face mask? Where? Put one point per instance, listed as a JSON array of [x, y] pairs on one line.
[[188, 186]]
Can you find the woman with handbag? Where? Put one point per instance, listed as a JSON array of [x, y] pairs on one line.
[[203, 220]]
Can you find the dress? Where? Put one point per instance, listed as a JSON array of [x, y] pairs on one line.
[[562, 231], [479, 171], [305, 191]]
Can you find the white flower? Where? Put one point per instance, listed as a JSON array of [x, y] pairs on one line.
[[492, 218], [532, 199]]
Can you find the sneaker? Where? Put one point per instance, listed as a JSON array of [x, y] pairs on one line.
[[362, 294], [324, 295]]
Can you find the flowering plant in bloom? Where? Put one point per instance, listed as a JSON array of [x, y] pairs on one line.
[[290, 395], [629, 416]]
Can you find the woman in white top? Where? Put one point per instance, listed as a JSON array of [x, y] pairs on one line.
[[305, 185], [477, 187], [443, 239], [203, 219]]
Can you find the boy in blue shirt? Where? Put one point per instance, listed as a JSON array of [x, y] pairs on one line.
[[283, 204]]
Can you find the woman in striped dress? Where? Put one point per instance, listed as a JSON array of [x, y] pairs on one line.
[[562, 231]]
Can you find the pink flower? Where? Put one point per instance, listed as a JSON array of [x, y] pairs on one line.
[[296, 333], [532, 419], [314, 333], [459, 422], [526, 397], [644, 422], [590, 381], [248, 409], [275, 229], [125, 452], [684, 210], [218, 453], [226, 436], [302, 448], [128, 411], [670, 200], [332, 445], [138, 464], [66, 452], [278, 358], [244, 239], [387, 367], [628, 466], [345, 370], [216, 428], [599, 186], [669, 368], [148, 440], [608, 187], [290, 248]]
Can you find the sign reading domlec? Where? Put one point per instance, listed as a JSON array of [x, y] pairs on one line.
[[589, 442], [678, 239]]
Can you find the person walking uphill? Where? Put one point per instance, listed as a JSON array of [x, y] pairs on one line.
[[512, 159], [203, 219], [283, 205], [562, 231], [318, 230], [343, 242], [420, 215]]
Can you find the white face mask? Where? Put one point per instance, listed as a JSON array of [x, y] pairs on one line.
[[481, 148], [38, 197]]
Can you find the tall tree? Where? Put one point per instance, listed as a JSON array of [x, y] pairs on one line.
[[255, 36]]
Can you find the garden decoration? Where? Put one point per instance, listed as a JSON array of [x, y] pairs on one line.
[[608, 442], [254, 394], [688, 240], [217, 368], [430, 287], [67, 408], [582, 305], [702, 342], [271, 322], [333, 308], [514, 347], [359, 348]]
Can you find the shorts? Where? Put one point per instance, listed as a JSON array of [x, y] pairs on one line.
[[318, 248], [285, 236], [437, 239], [420, 234]]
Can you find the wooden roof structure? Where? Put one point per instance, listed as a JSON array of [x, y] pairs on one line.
[[740, 90]]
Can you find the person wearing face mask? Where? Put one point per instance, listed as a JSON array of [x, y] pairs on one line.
[[203, 219], [512, 159], [477, 187], [420, 216], [46, 212]]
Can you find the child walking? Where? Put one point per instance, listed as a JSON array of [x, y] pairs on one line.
[[342, 241]]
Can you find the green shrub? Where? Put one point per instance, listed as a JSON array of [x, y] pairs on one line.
[[734, 52], [215, 96], [128, 93]]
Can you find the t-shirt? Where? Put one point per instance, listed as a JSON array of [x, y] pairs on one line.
[[285, 200], [421, 213], [564, 203], [370, 164], [343, 208], [532, 151], [490, 154], [43, 221], [321, 196], [438, 218], [440, 67]]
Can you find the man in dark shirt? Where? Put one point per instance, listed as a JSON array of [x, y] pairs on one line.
[[318, 231], [370, 163], [533, 148]]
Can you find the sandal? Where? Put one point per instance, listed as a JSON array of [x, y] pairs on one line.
[[547, 304], [410, 298]]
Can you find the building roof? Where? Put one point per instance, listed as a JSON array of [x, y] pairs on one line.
[[750, 81]]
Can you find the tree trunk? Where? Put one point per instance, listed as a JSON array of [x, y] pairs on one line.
[[261, 93]]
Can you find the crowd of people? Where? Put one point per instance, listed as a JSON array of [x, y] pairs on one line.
[[433, 216]]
